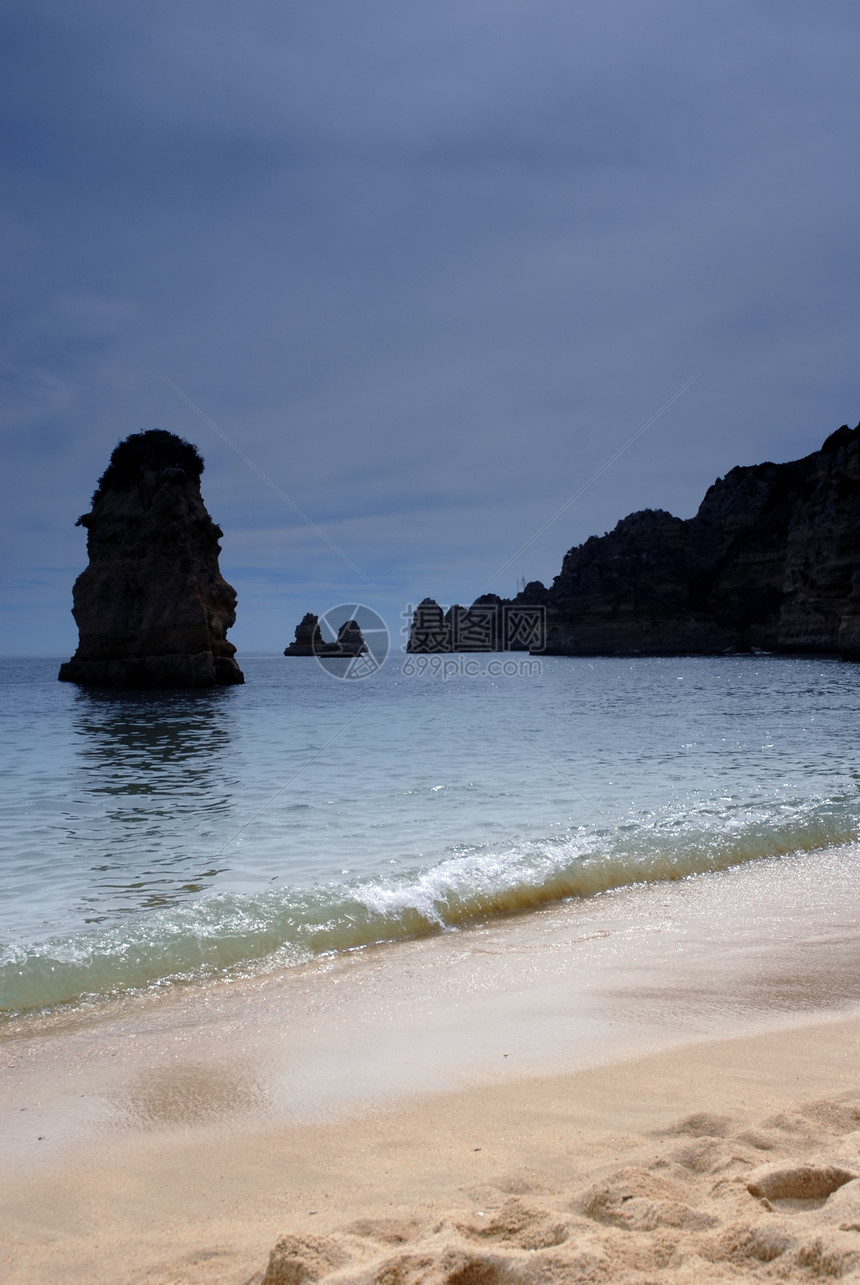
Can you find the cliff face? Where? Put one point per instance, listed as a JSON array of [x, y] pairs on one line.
[[770, 561], [152, 608]]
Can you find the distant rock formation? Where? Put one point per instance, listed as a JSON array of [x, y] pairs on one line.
[[490, 624], [152, 608], [350, 641], [430, 630], [309, 640], [770, 562]]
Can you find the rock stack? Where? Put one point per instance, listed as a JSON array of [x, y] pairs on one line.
[[152, 608], [350, 641], [308, 640]]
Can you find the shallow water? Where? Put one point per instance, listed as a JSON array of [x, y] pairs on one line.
[[149, 837]]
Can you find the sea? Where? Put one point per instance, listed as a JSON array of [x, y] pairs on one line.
[[151, 840]]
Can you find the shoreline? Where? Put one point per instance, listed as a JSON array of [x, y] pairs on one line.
[[175, 1137]]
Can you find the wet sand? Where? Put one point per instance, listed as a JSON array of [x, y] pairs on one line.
[[553, 1097]]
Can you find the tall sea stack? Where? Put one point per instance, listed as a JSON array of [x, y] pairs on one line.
[[152, 608]]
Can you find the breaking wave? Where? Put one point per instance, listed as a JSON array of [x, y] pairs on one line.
[[227, 932]]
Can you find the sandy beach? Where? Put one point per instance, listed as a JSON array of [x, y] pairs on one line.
[[430, 663], [655, 1085]]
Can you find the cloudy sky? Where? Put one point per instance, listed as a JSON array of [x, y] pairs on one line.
[[428, 266]]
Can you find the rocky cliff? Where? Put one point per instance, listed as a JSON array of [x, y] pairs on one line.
[[152, 608], [771, 561]]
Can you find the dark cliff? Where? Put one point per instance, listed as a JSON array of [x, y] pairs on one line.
[[152, 608], [771, 561]]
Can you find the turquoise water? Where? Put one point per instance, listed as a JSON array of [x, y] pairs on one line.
[[154, 837]]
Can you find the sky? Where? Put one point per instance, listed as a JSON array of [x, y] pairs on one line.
[[428, 267]]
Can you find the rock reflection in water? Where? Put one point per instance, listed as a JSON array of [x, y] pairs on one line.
[[150, 766]]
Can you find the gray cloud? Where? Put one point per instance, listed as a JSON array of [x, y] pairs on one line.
[[428, 266]]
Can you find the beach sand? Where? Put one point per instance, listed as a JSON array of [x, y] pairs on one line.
[[658, 1085]]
